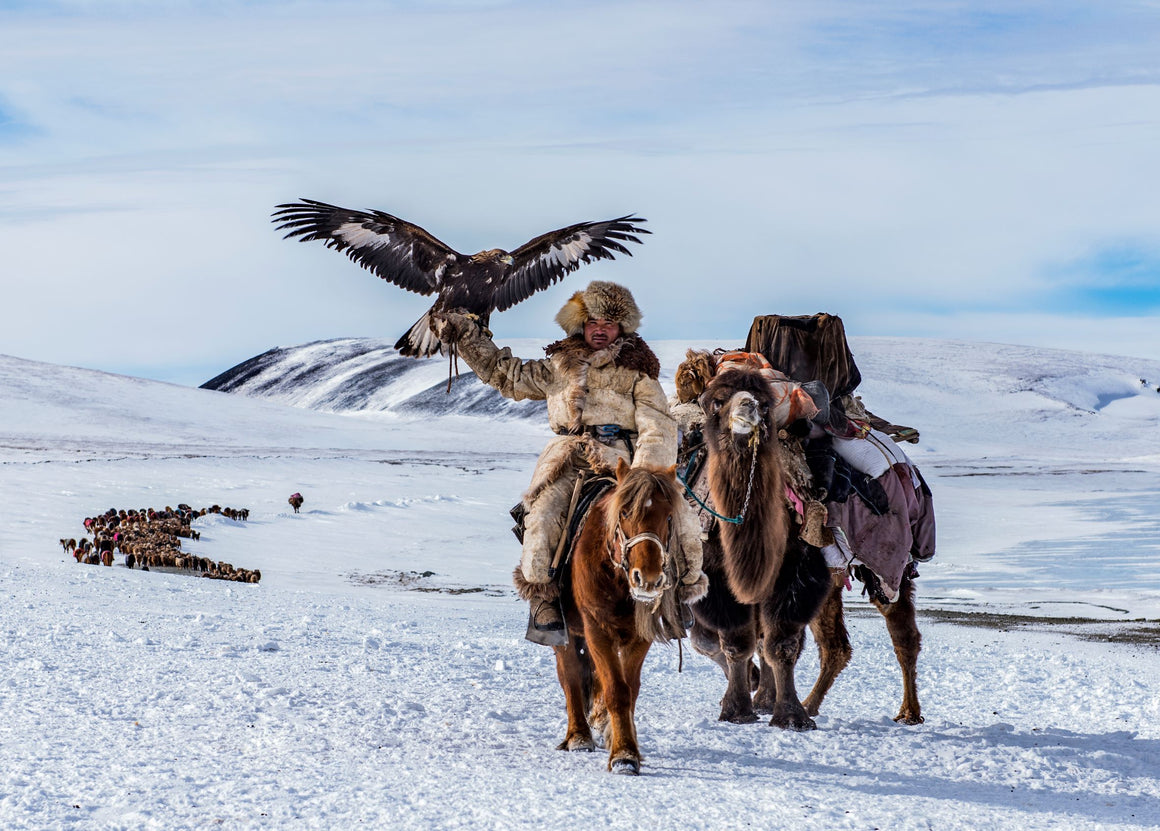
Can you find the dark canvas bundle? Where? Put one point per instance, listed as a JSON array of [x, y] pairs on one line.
[[807, 348]]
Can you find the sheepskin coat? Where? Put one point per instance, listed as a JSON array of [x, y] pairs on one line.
[[583, 388]]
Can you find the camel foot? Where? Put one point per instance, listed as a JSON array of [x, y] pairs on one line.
[[764, 704], [793, 720], [738, 718], [625, 766]]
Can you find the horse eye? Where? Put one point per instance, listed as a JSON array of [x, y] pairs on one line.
[[714, 406]]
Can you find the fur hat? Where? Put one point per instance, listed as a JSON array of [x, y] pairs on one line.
[[600, 301]]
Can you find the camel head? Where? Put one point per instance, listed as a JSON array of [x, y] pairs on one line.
[[738, 402]]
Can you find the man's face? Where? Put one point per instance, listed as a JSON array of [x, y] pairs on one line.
[[599, 333]]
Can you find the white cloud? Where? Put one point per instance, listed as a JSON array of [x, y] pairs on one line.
[[903, 162]]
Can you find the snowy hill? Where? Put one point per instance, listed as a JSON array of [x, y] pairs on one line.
[[377, 674], [954, 392], [365, 375]]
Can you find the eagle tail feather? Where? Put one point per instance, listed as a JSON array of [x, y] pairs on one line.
[[420, 341]]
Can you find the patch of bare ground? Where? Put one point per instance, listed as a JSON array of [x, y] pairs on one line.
[[1139, 632], [420, 581]]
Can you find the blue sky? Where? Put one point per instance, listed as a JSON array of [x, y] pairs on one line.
[[970, 170]]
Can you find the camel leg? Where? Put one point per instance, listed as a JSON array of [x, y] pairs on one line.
[[737, 648], [834, 650], [781, 647], [623, 754], [902, 624], [765, 694], [570, 672], [708, 643]]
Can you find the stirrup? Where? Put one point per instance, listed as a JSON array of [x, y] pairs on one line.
[[546, 637]]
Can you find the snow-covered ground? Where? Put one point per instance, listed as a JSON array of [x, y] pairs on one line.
[[350, 687]]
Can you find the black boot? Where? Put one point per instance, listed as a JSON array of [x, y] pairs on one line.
[[545, 616], [546, 623]]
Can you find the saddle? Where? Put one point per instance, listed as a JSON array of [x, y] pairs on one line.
[[590, 491]]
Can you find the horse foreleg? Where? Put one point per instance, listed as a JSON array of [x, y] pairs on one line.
[[623, 754], [834, 651], [570, 670], [902, 624], [781, 648], [632, 659]]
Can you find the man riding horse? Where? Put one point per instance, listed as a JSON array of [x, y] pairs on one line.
[[604, 403]]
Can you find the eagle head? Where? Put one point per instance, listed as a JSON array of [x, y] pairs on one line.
[[493, 255]]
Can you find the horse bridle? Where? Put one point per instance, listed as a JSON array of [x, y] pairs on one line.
[[625, 543]]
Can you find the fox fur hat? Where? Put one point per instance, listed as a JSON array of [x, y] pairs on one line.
[[600, 301]]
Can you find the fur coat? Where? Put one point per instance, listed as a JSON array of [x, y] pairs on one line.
[[583, 388]]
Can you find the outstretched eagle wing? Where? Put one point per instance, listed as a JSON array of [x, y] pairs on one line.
[[392, 248], [544, 260]]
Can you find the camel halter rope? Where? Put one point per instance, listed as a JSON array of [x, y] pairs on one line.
[[754, 442]]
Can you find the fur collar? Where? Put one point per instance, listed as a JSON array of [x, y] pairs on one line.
[[629, 351]]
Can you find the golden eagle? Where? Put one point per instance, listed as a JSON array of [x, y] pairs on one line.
[[409, 257]]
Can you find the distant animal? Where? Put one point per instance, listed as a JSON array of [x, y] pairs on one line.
[[476, 284], [295, 501], [618, 599]]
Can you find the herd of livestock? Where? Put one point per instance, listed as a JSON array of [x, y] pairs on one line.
[[151, 539]]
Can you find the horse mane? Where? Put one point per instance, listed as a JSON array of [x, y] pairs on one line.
[[754, 549]]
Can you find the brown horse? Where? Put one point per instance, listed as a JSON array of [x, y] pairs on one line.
[[617, 600]]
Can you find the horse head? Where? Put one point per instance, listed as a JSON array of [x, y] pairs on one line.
[[640, 528]]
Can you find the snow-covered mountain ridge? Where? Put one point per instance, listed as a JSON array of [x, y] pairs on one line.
[[953, 391]]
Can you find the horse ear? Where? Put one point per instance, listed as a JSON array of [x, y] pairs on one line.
[[622, 467]]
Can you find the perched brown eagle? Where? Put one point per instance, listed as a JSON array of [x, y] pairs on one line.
[[409, 257]]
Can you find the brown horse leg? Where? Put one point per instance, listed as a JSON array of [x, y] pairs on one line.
[[902, 624], [570, 672], [781, 648], [632, 659], [834, 650], [623, 755], [598, 714]]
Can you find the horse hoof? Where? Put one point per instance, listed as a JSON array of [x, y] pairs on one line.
[[909, 718], [625, 767], [577, 744]]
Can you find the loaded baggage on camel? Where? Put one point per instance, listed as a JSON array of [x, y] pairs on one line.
[[891, 523], [842, 461]]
